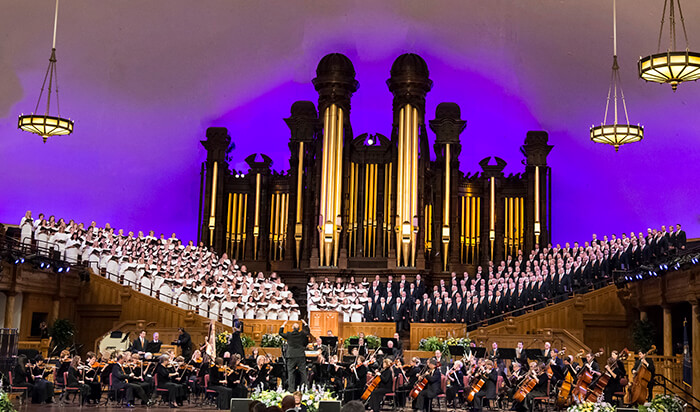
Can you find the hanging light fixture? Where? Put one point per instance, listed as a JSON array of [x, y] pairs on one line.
[[673, 67], [46, 125], [616, 134]]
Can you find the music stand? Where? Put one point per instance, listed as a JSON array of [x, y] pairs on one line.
[[456, 350], [354, 341], [534, 354], [506, 353], [478, 352]]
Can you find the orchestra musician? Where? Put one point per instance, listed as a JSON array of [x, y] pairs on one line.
[[649, 364], [455, 383], [167, 379], [539, 374], [218, 382], [40, 372], [432, 388], [92, 377], [384, 386], [76, 380], [357, 379], [237, 379], [261, 374], [120, 382], [616, 370], [489, 388]]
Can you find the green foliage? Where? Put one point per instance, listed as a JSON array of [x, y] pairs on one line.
[[62, 334], [247, 341], [434, 343], [372, 341], [665, 403], [6, 404], [643, 334], [271, 340]]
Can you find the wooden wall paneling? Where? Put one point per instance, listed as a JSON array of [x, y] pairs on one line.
[[380, 329]]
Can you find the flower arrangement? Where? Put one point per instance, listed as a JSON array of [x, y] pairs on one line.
[[222, 341], [664, 403], [372, 341], [591, 407], [5, 402], [434, 343], [310, 397], [271, 340]]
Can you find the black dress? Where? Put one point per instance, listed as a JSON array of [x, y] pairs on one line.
[[216, 378], [385, 386], [176, 392]]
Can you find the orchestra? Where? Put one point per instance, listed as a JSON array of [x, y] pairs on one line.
[[515, 379]]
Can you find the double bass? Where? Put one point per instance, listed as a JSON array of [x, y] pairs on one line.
[[584, 379], [636, 393]]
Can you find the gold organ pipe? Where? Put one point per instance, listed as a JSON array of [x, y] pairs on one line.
[[298, 228], [522, 222], [244, 232], [351, 217], [370, 193], [477, 233], [399, 187], [462, 221], [256, 226], [492, 215], [273, 216], [388, 217], [365, 230], [330, 205], [446, 201], [228, 226], [278, 217], [324, 185], [212, 214], [375, 198], [414, 186], [234, 226], [385, 210], [338, 182], [286, 222]]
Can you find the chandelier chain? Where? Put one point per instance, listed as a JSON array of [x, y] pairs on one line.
[[661, 30], [685, 32], [55, 24]]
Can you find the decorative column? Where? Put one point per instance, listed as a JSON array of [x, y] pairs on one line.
[[409, 84], [303, 125], [10, 310], [668, 331], [537, 223], [335, 83], [447, 127], [495, 230], [213, 219]]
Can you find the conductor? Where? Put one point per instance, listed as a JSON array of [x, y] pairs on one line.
[[297, 341]]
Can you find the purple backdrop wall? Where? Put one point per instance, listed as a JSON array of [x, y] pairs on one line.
[[144, 80]]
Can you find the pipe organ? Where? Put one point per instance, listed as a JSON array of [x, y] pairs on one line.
[[361, 203]]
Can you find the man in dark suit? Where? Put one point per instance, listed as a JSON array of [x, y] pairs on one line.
[[139, 344], [184, 341], [154, 345], [428, 311], [120, 381], [649, 364], [488, 390], [400, 315], [439, 314], [297, 341], [680, 238], [417, 311], [381, 312], [432, 388], [420, 286]]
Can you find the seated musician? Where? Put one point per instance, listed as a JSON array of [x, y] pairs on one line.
[[514, 378], [40, 372], [384, 386], [218, 382], [539, 374], [357, 378], [649, 364], [334, 375], [410, 375], [238, 378], [167, 378], [92, 378], [120, 382], [261, 374], [432, 388], [75, 379], [455, 383], [616, 370], [489, 388]]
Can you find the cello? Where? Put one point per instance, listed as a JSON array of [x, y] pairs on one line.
[[477, 385], [420, 384], [371, 387], [636, 393], [597, 391], [565, 391], [526, 386]]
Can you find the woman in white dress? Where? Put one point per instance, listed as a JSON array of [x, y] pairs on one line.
[[42, 237], [239, 310], [72, 248], [344, 309], [274, 309], [26, 226], [59, 241], [284, 311], [146, 285], [356, 315], [294, 312], [249, 310], [261, 310], [228, 307]]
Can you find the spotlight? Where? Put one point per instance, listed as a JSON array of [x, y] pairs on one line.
[[60, 269], [370, 142], [67, 269]]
